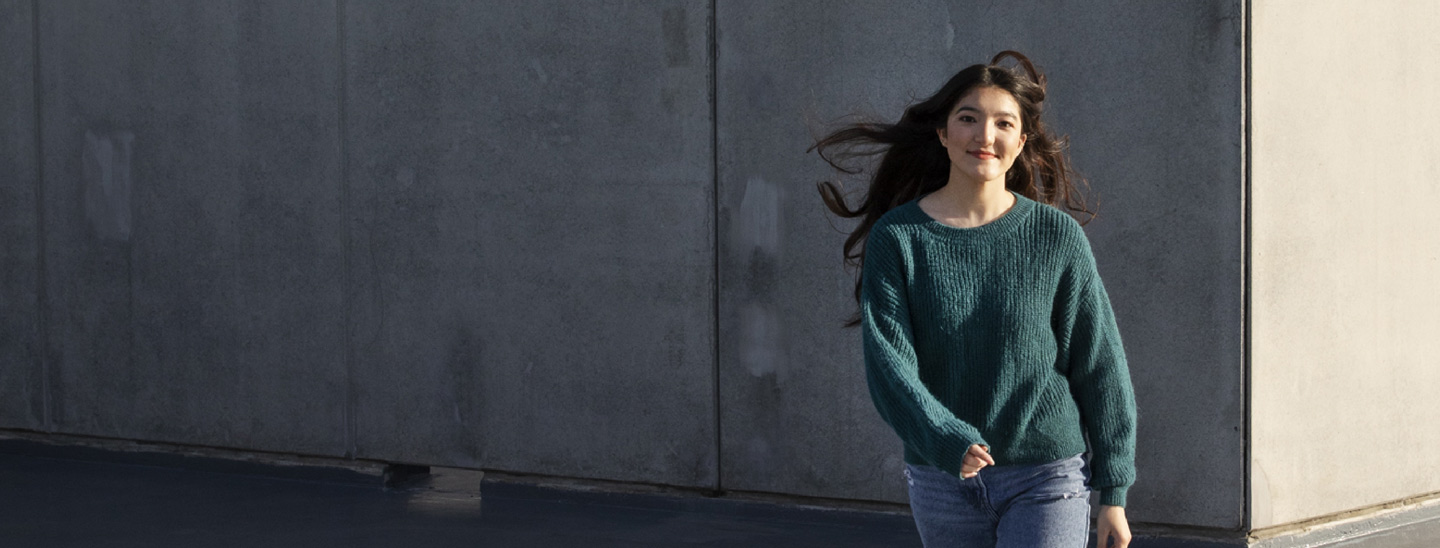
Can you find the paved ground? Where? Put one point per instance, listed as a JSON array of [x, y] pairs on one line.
[[67, 497], [51, 500]]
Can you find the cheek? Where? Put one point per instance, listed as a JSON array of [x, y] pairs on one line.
[[1016, 146], [952, 133]]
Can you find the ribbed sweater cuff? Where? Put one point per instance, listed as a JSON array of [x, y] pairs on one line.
[[958, 461], [1114, 496]]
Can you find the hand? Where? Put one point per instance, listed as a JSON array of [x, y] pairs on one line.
[[977, 457], [1111, 524]]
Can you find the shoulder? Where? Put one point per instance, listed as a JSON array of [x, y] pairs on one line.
[[891, 241], [1062, 238], [901, 216], [1059, 228], [896, 225], [1052, 219]]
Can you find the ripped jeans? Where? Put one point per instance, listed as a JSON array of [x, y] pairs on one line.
[[1014, 506]]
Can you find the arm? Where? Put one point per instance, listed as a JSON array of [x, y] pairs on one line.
[[1099, 379], [891, 368]]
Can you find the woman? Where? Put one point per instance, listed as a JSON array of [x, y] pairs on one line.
[[990, 345]]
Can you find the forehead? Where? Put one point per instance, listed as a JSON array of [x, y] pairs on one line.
[[990, 100]]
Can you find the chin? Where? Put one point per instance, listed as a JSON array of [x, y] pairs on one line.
[[981, 177]]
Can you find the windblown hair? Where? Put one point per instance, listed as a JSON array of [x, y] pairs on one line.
[[914, 163]]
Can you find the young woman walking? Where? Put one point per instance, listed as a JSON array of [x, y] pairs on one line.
[[990, 345]]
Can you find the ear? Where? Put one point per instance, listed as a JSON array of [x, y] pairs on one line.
[[940, 132], [1023, 137]]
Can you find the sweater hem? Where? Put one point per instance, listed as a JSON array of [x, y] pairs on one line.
[[1057, 453]]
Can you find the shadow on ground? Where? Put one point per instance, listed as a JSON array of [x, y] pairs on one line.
[[50, 501]]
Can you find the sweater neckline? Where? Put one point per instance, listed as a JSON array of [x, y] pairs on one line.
[[1001, 225]]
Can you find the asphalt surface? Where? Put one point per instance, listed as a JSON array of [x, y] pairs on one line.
[[49, 500], [62, 497]]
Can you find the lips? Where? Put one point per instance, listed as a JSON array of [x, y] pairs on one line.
[[981, 154]]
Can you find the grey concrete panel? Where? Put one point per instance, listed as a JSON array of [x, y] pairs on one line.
[[21, 381], [532, 236], [1150, 93], [193, 222]]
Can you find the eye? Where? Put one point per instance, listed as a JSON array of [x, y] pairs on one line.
[[1006, 124], [966, 118]]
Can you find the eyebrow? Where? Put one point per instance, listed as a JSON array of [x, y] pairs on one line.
[[1005, 113]]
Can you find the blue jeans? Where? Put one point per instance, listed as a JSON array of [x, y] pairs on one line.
[[1013, 506]]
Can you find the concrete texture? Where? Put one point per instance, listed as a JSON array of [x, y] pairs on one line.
[[194, 239], [1345, 235], [1150, 93], [21, 372], [531, 237]]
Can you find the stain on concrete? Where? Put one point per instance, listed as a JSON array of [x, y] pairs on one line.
[[758, 225], [106, 169], [759, 340], [677, 38], [466, 357], [757, 242]]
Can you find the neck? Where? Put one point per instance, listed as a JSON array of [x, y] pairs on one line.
[[967, 203]]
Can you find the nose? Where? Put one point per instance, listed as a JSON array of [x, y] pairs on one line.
[[986, 135]]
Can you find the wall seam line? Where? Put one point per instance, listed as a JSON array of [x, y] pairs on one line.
[[713, 36], [342, 129], [42, 299], [1247, 291]]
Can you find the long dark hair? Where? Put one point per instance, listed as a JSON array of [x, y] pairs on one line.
[[913, 162]]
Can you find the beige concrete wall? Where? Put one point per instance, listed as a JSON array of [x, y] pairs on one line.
[[1346, 250]]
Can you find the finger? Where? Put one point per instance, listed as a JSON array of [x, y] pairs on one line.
[[984, 455], [1119, 538], [974, 461], [976, 452]]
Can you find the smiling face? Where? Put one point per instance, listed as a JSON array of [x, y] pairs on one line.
[[983, 135]]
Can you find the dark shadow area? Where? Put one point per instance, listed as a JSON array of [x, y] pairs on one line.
[[55, 501]]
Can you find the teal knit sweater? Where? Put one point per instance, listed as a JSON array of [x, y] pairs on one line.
[[1000, 335]]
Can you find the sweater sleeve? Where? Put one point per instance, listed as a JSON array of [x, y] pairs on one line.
[[1099, 379], [892, 372]]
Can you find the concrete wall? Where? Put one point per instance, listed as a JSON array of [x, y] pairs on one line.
[[382, 230], [21, 378], [531, 236], [194, 244], [1345, 235], [546, 238]]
